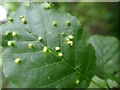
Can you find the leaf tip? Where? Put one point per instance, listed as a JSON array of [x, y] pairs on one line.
[[63, 33], [70, 37]]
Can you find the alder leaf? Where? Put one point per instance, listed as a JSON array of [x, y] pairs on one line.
[[43, 47]]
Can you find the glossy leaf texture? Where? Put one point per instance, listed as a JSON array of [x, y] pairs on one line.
[[106, 48], [32, 59]]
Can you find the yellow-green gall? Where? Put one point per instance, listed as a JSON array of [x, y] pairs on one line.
[[10, 19], [68, 23], [40, 38], [21, 17], [30, 45], [77, 81], [10, 43], [70, 43], [14, 34], [60, 54], [17, 60], [63, 34], [45, 49], [70, 37], [57, 48], [23, 20], [54, 23]]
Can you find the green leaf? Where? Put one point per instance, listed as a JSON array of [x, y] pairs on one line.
[[106, 48], [99, 81], [102, 83], [29, 62]]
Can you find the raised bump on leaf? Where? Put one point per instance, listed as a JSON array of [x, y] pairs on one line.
[[77, 81], [17, 60], [68, 23], [21, 17], [60, 54], [10, 19], [70, 43], [54, 23], [14, 34], [7, 33], [40, 38], [30, 45], [57, 48], [63, 34], [10, 43], [70, 37], [23, 20], [45, 49], [47, 6]]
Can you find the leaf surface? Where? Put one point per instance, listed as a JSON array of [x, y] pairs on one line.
[[46, 69]]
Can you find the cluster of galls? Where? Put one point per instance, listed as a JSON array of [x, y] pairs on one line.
[[23, 20], [69, 39]]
